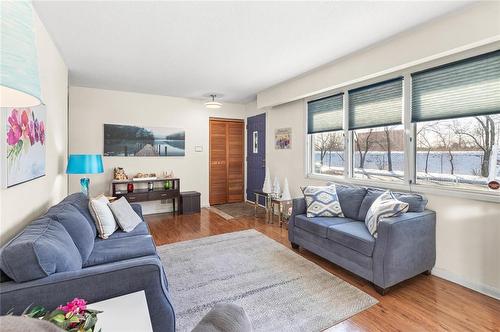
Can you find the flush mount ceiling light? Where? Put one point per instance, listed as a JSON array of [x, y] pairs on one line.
[[213, 103]]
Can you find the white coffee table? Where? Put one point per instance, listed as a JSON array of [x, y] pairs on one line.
[[123, 313]]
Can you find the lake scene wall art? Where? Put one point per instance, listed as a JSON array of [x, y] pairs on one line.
[[24, 144], [138, 141]]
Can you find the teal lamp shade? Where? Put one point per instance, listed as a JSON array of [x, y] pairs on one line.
[[85, 164], [19, 82]]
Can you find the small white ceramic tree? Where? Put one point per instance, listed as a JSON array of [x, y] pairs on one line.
[[286, 191], [267, 188], [276, 186]]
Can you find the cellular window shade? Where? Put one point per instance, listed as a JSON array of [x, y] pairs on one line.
[[376, 105], [470, 87], [325, 114]]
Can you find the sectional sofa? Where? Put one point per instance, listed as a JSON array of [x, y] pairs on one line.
[[405, 245], [59, 257]]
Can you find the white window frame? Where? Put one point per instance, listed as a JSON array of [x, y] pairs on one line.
[[409, 184]]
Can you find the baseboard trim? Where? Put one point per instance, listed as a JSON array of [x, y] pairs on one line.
[[481, 288]]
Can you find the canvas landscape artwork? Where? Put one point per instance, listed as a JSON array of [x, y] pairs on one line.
[[138, 141], [24, 144]]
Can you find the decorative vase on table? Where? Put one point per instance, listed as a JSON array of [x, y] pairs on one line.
[[267, 188]]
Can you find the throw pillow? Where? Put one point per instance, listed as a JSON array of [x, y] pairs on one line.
[[103, 217], [322, 201], [125, 216], [385, 206]]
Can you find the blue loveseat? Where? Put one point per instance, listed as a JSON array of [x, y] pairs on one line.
[[405, 245], [59, 257]]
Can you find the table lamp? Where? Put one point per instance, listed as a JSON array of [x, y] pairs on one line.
[[85, 164]]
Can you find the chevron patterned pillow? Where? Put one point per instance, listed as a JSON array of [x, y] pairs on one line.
[[322, 201], [385, 206]]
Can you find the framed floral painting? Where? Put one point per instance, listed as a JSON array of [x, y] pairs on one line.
[[23, 157]]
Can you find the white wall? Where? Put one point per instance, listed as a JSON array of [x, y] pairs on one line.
[[474, 24], [468, 231], [90, 109], [22, 203]]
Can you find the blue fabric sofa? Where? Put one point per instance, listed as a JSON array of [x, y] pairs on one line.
[[59, 257], [405, 246]]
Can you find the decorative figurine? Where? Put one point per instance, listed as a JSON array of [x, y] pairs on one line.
[[267, 188], [119, 174], [286, 191]]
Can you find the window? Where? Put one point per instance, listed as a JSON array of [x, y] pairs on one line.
[[375, 116], [456, 108], [452, 138], [459, 152], [328, 153], [325, 122], [379, 153]]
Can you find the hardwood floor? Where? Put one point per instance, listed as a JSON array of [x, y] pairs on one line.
[[424, 303]]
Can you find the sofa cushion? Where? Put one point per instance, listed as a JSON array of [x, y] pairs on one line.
[[141, 229], [385, 206], [322, 201], [76, 225], [350, 198], [101, 213], [353, 235], [81, 202], [113, 250], [124, 214], [44, 247], [318, 225], [417, 202]]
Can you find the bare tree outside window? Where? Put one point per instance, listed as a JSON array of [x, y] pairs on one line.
[[328, 152], [458, 151], [379, 153]]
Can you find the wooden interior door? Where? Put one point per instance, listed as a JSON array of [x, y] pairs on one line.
[[226, 161], [235, 162]]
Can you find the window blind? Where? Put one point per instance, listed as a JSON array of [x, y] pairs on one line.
[[469, 87], [376, 105], [325, 114]]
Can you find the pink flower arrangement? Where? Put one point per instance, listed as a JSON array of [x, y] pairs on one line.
[[23, 131], [76, 306], [75, 316]]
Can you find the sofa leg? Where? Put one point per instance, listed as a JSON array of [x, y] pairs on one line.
[[294, 245], [380, 290], [427, 273]]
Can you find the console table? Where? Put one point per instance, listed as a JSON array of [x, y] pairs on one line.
[[141, 192]]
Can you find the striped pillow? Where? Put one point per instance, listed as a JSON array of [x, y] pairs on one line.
[[385, 206], [322, 201]]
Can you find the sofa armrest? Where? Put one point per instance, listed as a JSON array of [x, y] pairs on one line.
[[298, 207], [138, 209], [95, 284], [405, 247]]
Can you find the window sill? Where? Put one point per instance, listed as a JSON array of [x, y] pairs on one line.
[[416, 188]]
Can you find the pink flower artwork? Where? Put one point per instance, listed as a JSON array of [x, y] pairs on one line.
[[25, 143]]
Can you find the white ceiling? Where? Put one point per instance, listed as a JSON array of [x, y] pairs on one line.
[[189, 49]]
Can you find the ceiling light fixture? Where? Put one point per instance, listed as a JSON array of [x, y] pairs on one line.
[[213, 103]]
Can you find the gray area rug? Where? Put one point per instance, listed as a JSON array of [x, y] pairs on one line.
[[279, 289]]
